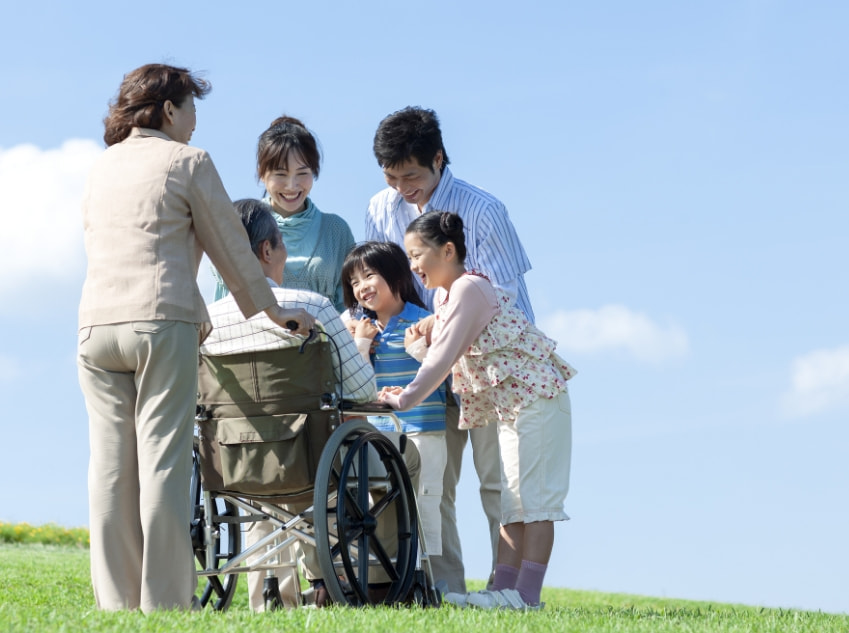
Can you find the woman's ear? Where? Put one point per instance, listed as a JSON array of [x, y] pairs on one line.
[[168, 111]]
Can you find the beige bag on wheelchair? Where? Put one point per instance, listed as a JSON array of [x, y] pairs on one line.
[[264, 429]]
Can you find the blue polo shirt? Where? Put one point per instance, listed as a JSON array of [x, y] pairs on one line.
[[393, 366]]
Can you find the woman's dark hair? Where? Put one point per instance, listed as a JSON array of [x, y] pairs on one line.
[[259, 223], [142, 96], [440, 227], [389, 261], [409, 133], [285, 135]]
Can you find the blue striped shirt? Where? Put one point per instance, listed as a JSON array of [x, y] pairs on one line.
[[492, 245], [393, 366]]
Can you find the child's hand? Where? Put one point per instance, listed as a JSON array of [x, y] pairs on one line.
[[390, 395], [411, 335], [422, 329], [351, 325], [415, 344], [364, 328]]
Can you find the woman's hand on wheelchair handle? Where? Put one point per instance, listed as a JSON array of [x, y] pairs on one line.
[[296, 320]]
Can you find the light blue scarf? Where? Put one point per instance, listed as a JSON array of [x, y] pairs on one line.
[[300, 235]]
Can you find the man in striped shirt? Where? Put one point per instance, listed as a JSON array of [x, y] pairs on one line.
[[408, 147]]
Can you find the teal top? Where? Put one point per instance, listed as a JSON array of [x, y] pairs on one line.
[[317, 244]]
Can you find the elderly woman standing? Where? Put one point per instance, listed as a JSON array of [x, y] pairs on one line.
[[152, 207]]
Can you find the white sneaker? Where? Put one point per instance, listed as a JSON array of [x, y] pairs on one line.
[[457, 599], [508, 599]]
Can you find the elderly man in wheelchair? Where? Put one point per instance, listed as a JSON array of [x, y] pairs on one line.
[[284, 456]]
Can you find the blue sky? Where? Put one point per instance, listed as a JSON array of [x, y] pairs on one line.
[[676, 171]]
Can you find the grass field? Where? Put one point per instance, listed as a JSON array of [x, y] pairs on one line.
[[47, 588]]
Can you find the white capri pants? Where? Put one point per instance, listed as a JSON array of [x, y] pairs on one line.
[[434, 455], [536, 456]]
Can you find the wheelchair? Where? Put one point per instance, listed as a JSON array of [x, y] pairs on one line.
[[276, 444]]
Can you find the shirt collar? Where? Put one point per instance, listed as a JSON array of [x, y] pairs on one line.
[[439, 197], [138, 132]]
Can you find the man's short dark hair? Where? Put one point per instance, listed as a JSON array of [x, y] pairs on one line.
[[409, 133]]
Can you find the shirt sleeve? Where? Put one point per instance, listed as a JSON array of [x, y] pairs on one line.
[[223, 238], [471, 306], [418, 349]]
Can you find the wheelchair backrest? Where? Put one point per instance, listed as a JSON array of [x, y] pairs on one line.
[[262, 426]]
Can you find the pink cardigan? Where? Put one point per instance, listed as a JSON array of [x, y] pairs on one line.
[[500, 361]]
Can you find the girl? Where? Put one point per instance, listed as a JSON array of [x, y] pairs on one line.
[[504, 370], [380, 284], [288, 162]]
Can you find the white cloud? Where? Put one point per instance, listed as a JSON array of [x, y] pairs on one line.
[[615, 327], [40, 194], [820, 381]]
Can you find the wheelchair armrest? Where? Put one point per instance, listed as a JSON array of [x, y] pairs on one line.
[[376, 408], [370, 408]]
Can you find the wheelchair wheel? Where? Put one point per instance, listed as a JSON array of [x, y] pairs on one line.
[[366, 524], [214, 590]]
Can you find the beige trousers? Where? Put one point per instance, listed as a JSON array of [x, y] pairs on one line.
[[139, 380], [485, 455]]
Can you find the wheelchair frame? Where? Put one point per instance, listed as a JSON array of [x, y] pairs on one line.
[[360, 481]]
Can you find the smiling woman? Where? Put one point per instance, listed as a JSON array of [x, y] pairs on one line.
[[288, 162]]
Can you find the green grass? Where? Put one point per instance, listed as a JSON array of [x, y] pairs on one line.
[[47, 588]]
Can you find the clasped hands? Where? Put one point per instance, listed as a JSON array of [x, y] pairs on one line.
[[415, 336]]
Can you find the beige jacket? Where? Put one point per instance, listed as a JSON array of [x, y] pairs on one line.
[[151, 208]]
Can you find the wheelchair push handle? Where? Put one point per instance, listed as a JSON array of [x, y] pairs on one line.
[[292, 325]]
